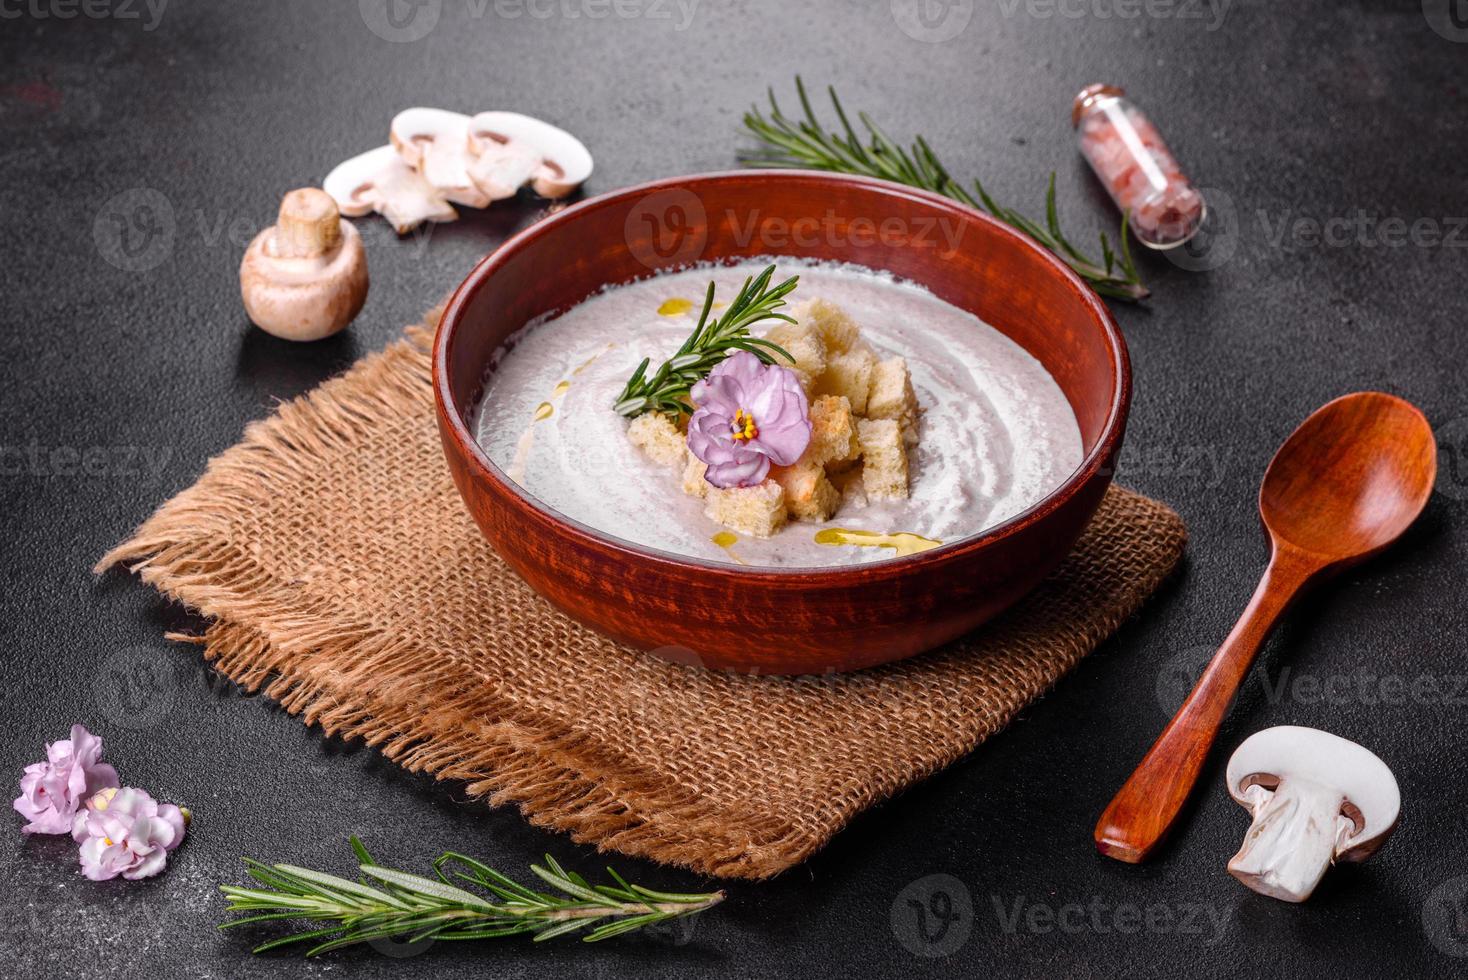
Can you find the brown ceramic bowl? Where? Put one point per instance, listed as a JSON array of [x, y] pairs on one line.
[[771, 620]]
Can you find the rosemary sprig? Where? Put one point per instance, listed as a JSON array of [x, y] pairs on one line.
[[389, 904], [808, 144], [710, 343]]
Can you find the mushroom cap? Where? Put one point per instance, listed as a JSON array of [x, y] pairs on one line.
[[304, 298], [435, 142], [1274, 755], [565, 161]]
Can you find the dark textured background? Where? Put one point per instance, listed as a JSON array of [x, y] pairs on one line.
[[119, 384]]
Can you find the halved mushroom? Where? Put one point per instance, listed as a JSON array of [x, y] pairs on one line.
[[1316, 799], [435, 142], [380, 180], [507, 149], [305, 277]]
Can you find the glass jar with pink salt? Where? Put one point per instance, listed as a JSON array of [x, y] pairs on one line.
[[1125, 150]]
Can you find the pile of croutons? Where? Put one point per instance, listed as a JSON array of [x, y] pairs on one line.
[[864, 417]]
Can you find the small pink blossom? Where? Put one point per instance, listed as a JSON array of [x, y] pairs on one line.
[[749, 415], [126, 832], [51, 792]]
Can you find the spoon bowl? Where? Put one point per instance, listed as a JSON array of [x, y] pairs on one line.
[[1351, 478]]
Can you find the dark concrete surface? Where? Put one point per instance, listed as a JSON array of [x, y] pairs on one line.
[[124, 372]]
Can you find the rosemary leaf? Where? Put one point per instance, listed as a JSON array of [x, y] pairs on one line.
[[422, 888]]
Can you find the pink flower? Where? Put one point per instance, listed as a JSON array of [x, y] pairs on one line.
[[126, 832], [52, 791], [750, 415]]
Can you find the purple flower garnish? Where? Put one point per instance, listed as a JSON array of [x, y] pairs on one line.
[[51, 792], [126, 832], [750, 415]]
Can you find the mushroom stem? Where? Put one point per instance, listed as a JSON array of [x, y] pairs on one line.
[[1297, 832], [308, 226]]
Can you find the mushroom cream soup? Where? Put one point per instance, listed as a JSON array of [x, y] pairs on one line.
[[994, 434]]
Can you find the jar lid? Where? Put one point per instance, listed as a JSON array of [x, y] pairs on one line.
[[1089, 96]]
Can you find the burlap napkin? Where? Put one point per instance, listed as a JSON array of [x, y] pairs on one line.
[[343, 575]]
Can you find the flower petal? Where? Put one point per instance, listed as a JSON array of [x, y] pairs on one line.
[[784, 426], [93, 865], [173, 817], [148, 866], [718, 394], [750, 470], [743, 367], [709, 437]]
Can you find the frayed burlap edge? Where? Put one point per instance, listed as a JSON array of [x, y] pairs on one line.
[[266, 636]]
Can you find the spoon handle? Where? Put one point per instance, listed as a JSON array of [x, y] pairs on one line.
[[1144, 810]]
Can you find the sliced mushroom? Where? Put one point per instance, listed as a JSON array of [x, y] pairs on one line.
[[1316, 799], [500, 166], [435, 142], [305, 277], [508, 148], [380, 180]]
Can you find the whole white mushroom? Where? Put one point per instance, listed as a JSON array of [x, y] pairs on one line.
[[305, 277]]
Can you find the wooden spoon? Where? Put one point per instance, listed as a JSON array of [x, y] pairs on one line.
[[1342, 488]]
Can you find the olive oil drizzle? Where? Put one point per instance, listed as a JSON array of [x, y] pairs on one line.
[[727, 540], [904, 543], [543, 411]]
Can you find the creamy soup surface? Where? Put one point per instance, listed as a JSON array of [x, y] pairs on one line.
[[996, 433]]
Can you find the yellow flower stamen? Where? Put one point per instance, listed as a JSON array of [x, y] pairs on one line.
[[743, 426]]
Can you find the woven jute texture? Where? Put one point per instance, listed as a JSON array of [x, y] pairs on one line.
[[342, 575]]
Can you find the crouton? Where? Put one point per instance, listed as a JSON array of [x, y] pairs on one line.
[[849, 374], [803, 342], [837, 329], [809, 495], [656, 435], [758, 511], [891, 396], [694, 483], [832, 431], [884, 458]]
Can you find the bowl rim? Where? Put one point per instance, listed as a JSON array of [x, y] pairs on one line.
[[818, 576]]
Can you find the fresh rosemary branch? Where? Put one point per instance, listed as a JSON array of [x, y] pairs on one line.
[[711, 341], [807, 143], [389, 904]]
